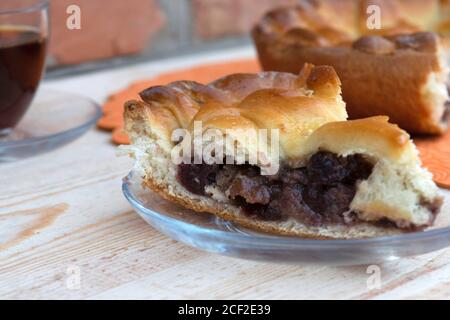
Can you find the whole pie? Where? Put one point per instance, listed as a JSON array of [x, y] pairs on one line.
[[396, 70]]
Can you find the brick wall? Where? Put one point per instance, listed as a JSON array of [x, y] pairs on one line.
[[112, 28], [217, 18], [108, 28]]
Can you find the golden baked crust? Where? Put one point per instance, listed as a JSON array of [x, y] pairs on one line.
[[267, 100], [401, 76], [286, 102]]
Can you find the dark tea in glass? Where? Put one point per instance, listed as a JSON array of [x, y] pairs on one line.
[[22, 59], [23, 46]]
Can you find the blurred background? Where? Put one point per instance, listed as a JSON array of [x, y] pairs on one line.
[[116, 32]]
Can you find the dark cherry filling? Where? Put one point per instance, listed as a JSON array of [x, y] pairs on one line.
[[320, 192], [194, 177], [446, 115]]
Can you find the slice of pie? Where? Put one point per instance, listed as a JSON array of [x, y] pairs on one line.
[[321, 176]]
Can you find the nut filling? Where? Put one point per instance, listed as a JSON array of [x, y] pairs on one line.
[[319, 193]]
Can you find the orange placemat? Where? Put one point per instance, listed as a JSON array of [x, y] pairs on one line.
[[435, 155], [434, 152]]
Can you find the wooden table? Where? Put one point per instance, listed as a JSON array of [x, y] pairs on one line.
[[66, 232]]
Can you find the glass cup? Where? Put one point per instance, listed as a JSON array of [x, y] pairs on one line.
[[24, 32]]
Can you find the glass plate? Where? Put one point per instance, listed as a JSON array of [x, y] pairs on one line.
[[54, 119], [207, 232]]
